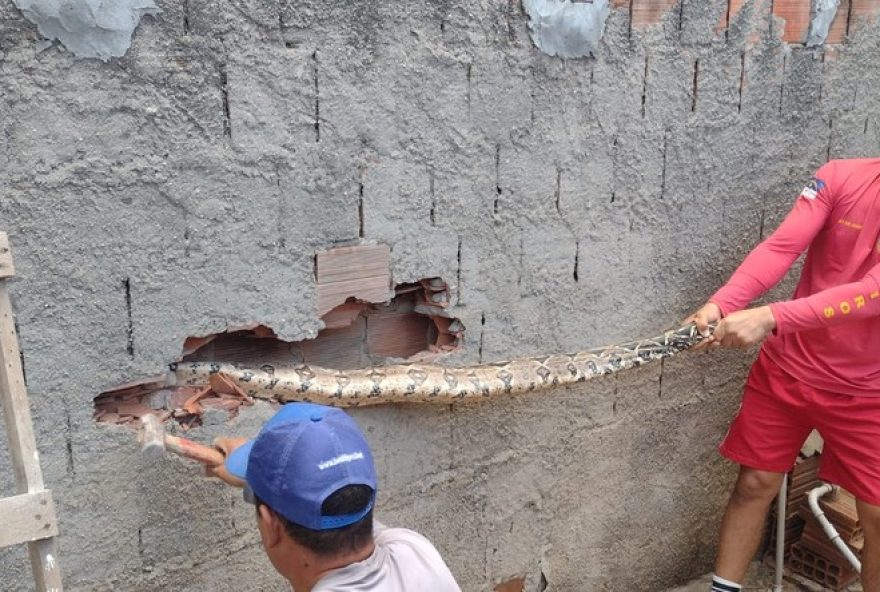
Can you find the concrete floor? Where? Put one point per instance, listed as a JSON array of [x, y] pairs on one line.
[[760, 578]]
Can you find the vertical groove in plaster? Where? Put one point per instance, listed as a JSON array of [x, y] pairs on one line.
[[431, 213], [126, 285], [469, 75], [663, 170], [317, 97], [830, 138], [782, 83], [557, 192], [68, 437], [224, 95], [660, 380], [458, 274], [497, 179], [482, 332], [360, 210], [629, 30]]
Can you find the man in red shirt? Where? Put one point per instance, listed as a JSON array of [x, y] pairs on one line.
[[819, 366]]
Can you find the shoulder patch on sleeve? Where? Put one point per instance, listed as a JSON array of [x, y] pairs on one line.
[[813, 188]]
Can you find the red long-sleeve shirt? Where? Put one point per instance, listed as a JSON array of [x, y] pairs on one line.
[[828, 335]]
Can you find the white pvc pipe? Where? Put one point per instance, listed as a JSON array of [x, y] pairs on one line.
[[830, 531], [780, 533]]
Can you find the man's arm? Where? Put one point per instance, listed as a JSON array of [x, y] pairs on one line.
[[764, 266], [840, 304], [769, 261]]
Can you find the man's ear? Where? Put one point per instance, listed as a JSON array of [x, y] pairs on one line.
[[271, 529]]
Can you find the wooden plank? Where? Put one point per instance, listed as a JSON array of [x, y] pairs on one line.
[[23, 518], [16, 409], [45, 565], [27, 517], [350, 263], [7, 269]]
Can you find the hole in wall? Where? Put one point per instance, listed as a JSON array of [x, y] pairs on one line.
[[414, 325]]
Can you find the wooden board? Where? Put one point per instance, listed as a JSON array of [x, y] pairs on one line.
[[7, 269], [27, 517], [22, 518]]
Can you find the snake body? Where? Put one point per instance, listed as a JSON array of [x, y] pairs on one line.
[[432, 383]]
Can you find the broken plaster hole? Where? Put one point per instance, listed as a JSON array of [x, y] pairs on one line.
[[414, 325]]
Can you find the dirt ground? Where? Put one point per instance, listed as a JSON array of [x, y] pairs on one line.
[[760, 578]]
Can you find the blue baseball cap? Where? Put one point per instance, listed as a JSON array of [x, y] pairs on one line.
[[301, 456]]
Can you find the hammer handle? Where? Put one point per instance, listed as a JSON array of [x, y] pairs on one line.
[[200, 452]]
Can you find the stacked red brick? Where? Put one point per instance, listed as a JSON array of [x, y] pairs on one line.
[[815, 556], [795, 13]]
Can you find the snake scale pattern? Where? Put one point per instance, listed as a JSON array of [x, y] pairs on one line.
[[432, 383]]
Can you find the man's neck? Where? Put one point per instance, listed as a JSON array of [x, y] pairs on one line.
[[312, 567]]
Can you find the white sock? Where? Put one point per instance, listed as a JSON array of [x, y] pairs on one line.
[[722, 585]]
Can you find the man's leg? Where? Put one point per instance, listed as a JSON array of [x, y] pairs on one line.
[[744, 520], [869, 519]]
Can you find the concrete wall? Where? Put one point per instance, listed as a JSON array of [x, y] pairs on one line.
[[569, 204]]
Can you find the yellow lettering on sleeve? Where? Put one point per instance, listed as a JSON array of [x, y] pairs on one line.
[[829, 312], [860, 301], [845, 308]]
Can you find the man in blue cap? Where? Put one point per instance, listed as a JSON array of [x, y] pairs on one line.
[[310, 474]]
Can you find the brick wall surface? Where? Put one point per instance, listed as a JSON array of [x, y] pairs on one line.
[[188, 186]]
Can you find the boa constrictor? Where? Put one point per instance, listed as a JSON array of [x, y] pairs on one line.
[[432, 383]]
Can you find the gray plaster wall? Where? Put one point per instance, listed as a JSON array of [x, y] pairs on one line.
[[570, 204]]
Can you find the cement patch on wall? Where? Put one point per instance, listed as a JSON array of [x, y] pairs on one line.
[[88, 28], [564, 28]]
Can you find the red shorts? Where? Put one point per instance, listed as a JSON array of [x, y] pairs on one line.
[[777, 414]]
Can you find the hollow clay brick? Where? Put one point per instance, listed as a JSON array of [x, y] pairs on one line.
[[797, 19], [648, 12]]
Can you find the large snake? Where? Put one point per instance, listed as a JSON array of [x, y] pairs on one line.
[[432, 383]]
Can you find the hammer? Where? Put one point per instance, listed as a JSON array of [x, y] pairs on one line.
[[154, 442]]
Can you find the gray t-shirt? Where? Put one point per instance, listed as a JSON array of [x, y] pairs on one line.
[[403, 561]]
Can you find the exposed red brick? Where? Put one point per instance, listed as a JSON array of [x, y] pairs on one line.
[[397, 335], [619, 3], [514, 585], [336, 348], [648, 12], [797, 19], [349, 263], [343, 315], [246, 348], [132, 409], [372, 289], [362, 272], [837, 30]]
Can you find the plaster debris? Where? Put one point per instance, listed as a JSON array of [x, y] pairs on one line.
[[88, 28], [565, 28], [824, 12]]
